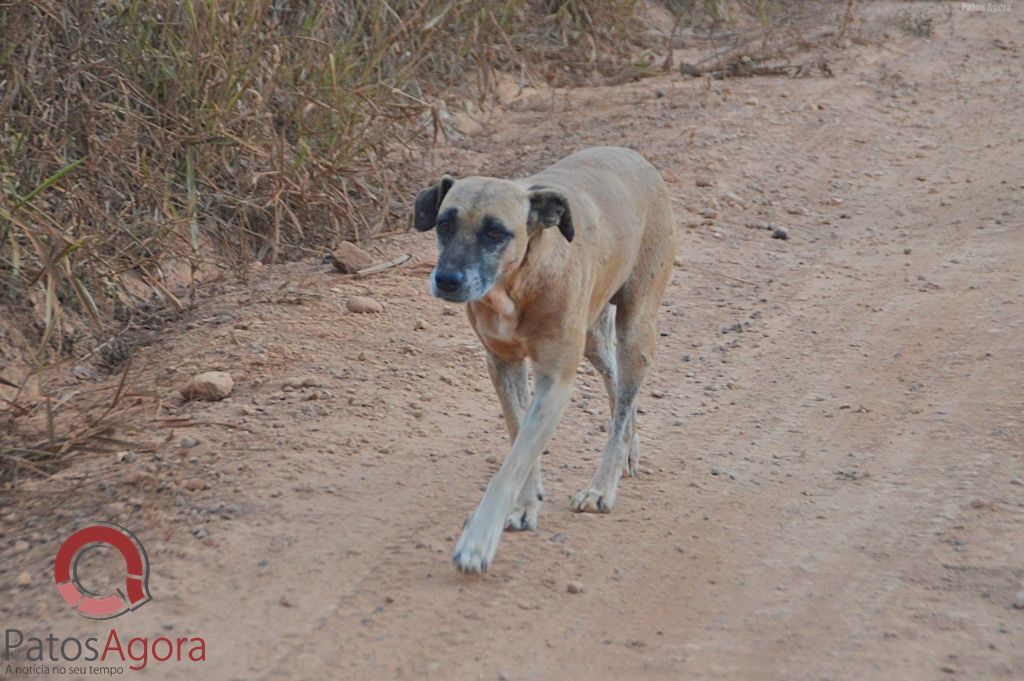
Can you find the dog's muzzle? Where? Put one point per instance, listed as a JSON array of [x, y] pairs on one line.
[[450, 285]]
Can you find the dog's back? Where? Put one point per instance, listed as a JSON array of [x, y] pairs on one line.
[[622, 214]]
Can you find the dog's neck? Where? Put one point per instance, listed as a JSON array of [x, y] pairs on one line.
[[499, 302]]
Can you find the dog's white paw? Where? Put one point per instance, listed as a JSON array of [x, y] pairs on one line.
[[523, 517], [475, 549], [593, 500]]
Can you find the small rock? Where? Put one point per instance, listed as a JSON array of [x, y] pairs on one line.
[[125, 457], [209, 385], [24, 579], [703, 182], [1018, 600], [421, 325], [286, 602], [574, 587], [349, 258], [193, 484], [301, 382], [688, 69], [117, 508], [657, 394], [715, 471], [188, 442], [363, 304], [200, 533], [751, 101], [780, 233], [733, 197]]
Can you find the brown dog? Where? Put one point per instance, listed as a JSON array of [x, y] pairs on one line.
[[591, 287]]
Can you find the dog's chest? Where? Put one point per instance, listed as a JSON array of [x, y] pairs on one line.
[[497, 324]]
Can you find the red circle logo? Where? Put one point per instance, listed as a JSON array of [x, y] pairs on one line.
[[102, 606]]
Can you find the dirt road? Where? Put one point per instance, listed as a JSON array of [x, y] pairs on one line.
[[832, 443]]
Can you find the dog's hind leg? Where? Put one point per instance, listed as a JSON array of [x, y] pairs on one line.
[[636, 316], [601, 350], [511, 383]]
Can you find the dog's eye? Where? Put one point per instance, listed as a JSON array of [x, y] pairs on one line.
[[494, 234]]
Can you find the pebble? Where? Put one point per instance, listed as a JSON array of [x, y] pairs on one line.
[[715, 471], [24, 579], [703, 182], [363, 304], [1018, 601], [657, 394], [574, 587], [780, 233], [735, 198], [117, 508], [200, 532], [193, 484], [188, 442], [301, 382], [209, 385], [349, 258]]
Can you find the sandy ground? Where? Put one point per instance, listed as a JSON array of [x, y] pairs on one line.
[[832, 437]]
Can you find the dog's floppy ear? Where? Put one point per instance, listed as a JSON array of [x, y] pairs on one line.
[[550, 207], [428, 201]]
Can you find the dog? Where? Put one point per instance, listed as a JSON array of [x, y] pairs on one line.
[[570, 262]]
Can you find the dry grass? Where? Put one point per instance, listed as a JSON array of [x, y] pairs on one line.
[[140, 134]]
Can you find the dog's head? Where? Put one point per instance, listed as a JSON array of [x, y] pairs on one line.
[[483, 227]]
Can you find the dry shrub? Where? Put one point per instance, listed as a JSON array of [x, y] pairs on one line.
[[140, 134]]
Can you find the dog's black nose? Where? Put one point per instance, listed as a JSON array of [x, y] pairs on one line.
[[449, 282]]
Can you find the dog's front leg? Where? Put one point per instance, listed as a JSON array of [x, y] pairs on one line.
[[475, 549], [511, 383]]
